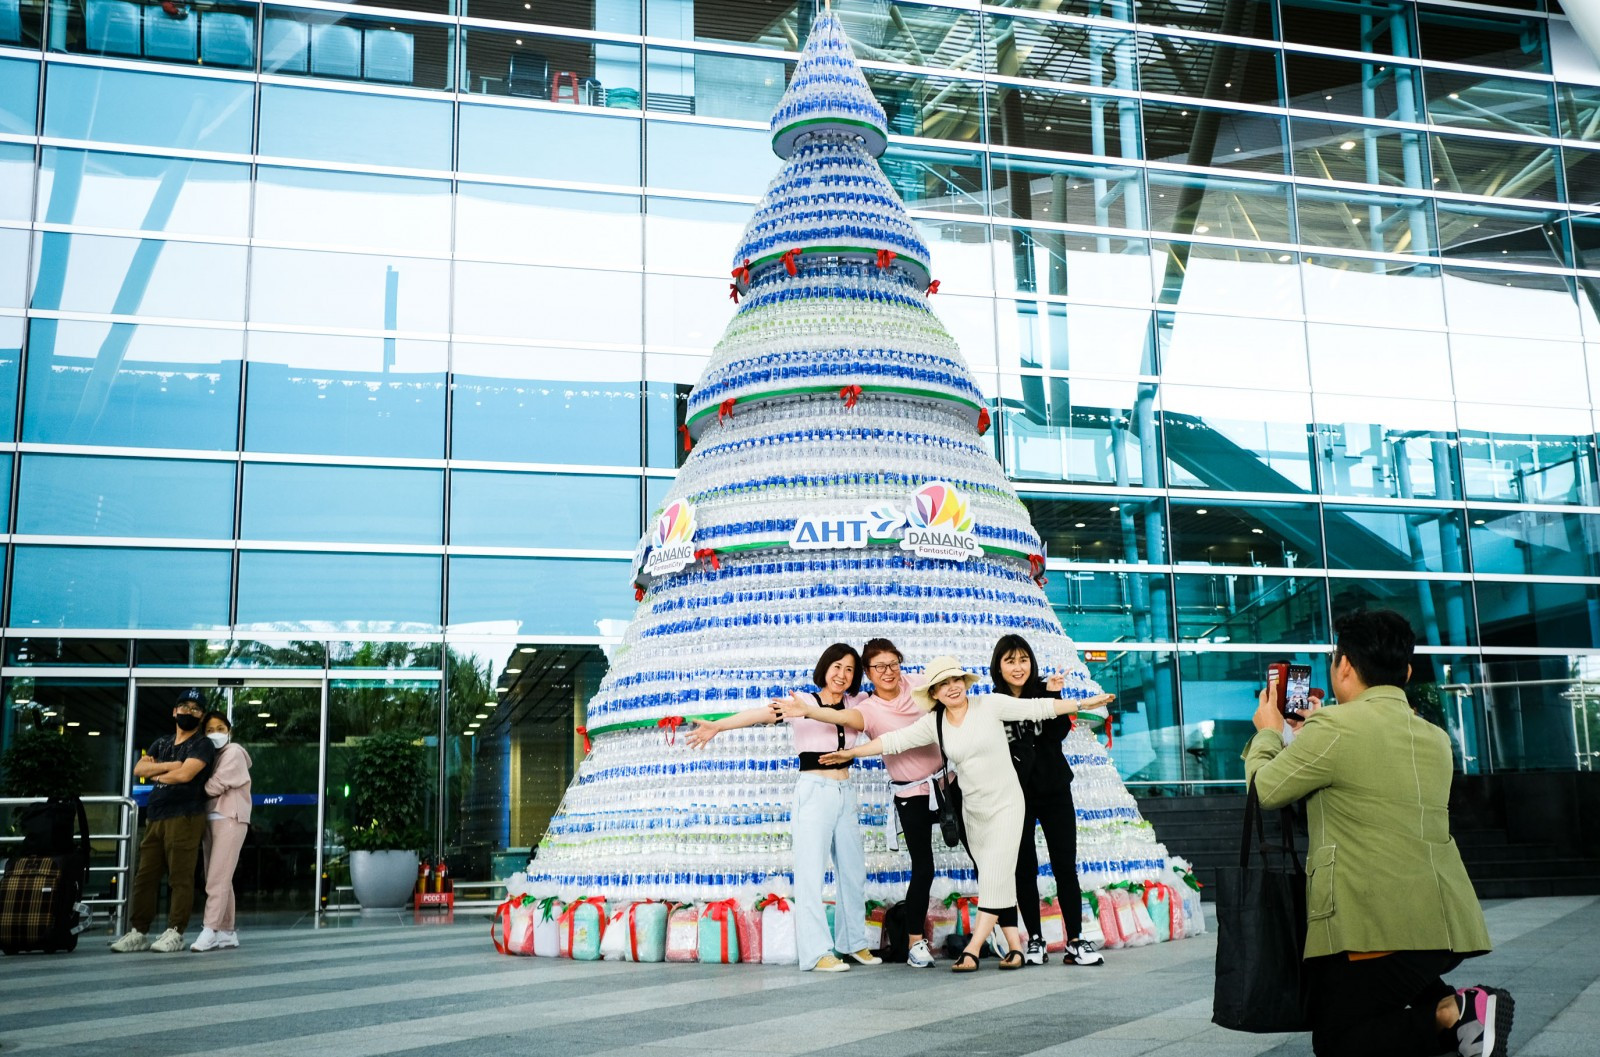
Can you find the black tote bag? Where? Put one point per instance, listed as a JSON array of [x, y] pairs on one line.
[[1261, 982]]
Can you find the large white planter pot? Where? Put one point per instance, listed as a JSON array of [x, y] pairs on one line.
[[383, 879]]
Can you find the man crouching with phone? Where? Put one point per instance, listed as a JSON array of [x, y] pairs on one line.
[[1389, 907]]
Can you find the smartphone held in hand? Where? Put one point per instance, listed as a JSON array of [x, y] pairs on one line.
[[1290, 685]]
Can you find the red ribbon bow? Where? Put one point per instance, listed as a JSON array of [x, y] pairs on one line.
[[933, 287], [670, 724], [733, 292], [850, 393], [583, 732], [789, 258], [886, 258], [723, 913], [983, 421], [687, 443], [773, 899], [725, 409], [742, 273], [1036, 566], [708, 553], [638, 594]]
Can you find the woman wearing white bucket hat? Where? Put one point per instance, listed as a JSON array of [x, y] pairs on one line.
[[991, 797]]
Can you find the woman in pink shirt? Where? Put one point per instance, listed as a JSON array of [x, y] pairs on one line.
[[823, 819], [227, 822], [890, 706]]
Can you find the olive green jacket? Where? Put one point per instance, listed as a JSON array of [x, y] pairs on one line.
[[1383, 872]]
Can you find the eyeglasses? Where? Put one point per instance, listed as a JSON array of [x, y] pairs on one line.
[[888, 666]]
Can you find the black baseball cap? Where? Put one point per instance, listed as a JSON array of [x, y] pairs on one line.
[[190, 696]]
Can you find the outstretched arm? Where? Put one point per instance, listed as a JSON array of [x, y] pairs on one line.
[[854, 752], [798, 707], [706, 729]]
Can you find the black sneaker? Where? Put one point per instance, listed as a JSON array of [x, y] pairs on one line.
[[1081, 952], [1485, 1022], [1035, 954]]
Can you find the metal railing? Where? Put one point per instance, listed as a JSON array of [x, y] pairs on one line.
[[121, 871]]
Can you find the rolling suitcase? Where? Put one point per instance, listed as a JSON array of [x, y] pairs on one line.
[[40, 908]]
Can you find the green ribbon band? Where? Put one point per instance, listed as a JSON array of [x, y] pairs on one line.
[[899, 390], [651, 724]]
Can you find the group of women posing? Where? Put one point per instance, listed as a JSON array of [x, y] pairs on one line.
[[1006, 748]]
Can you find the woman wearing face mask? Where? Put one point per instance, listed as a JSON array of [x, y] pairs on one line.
[[890, 707], [1047, 801], [991, 798], [227, 822], [823, 818]]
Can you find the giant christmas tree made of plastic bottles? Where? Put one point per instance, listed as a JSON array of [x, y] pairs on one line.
[[837, 490]]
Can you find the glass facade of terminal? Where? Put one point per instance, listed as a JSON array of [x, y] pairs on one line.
[[343, 350]]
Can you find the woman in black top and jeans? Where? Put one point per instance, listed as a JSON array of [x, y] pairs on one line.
[[1046, 779]]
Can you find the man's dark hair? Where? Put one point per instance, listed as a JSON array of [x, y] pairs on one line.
[[834, 653], [1378, 643]]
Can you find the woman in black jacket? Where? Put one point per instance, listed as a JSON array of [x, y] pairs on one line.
[[1046, 780]]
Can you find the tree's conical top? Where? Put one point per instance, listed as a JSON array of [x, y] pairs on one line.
[[828, 94]]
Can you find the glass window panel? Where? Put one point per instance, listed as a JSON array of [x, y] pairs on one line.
[[524, 224], [1067, 192], [1242, 281], [1527, 454], [1584, 233], [1226, 532], [221, 35], [1064, 121], [226, 653], [19, 96], [1534, 542], [1579, 108], [1144, 717], [16, 181], [704, 158], [1441, 612], [351, 127], [394, 213], [72, 653], [734, 87], [512, 595], [572, 511], [1085, 337], [10, 357], [377, 49], [688, 236], [90, 716], [5, 501], [1341, 86], [665, 410], [121, 106], [1237, 440], [1211, 69], [1397, 449], [1500, 40], [932, 107], [1098, 606], [126, 384], [1535, 614], [321, 394], [1246, 210], [970, 321], [1072, 429], [140, 192], [1060, 52], [13, 267], [1518, 304], [384, 655], [1401, 540], [310, 288], [1488, 232], [505, 300], [1098, 528], [1216, 726], [571, 14], [1232, 350], [72, 495], [1359, 154], [1582, 168], [1239, 608], [552, 69], [1490, 104], [362, 593], [119, 587], [1373, 293], [1384, 26], [1531, 713], [1547, 372], [545, 405], [1494, 167], [1349, 220], [1375, 361], [144, 277], [962, 255], [336, 504], [549, 145], [678, 311], [946, 179], [1094, 268], [1237, 140]]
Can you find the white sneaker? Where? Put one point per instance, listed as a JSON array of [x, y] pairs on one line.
[[209, 940], [1081, 952], [1035, 954], [171, 942], [132, 940], [919, 956], [227, 939]]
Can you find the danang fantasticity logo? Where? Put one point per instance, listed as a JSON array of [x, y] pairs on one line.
[[672, 540], [937, 525]]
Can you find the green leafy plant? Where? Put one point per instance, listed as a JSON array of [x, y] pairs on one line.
[[43, 762], [388, 783]]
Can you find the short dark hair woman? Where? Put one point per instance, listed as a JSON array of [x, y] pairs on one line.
[[824, 817], [1046, 780]]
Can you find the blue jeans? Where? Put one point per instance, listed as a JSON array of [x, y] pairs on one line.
[[824, 821]]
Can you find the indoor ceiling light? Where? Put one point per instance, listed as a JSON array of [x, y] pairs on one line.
[[93, 733], [501, 689], [1348, 144], [527, 649], [481, 715], [272, 724], [1258, 532], [469, 733], [1116, 508], [73, 723], [513, 671], [254, 701], [1079, 524], [1202, 510]]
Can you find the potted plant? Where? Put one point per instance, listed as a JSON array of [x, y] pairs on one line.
[[388, 780], [42, 762]]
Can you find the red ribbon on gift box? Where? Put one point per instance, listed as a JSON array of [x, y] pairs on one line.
[[569, 916], [670, 724], [723, 912], [773, 899]]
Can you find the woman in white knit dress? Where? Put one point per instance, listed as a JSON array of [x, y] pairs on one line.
[[991, 797]]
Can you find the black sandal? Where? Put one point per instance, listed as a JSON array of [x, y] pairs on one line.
[[1007, 963], [960, 965]]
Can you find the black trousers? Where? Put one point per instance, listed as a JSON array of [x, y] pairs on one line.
[[1048, 802], [917, 822], [1380, 1007]]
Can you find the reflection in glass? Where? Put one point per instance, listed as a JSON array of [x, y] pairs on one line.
[[686, 236], [146, 386], [1534, 542], [10, 357], [1227, 279], [89, 717], [1377, 361], [1099, 606], [19, 96], [1237, 140], [1247, 210], [1485, 103], [1232, 350], [1547, 372], [734, 87], [549, 69], [1237, 607], [1363, 154], [338, 593], [376, 49], [1535, 713], [121, 587], [1144, 717], [24, 652], [1231, 532], [138, 277], [544, 405], [13, 267], [550, 145], [1378, 293], [947, 179], [685, 313], [1473, 231], [1410, 453], [312, 393], [138, 192], [1085, 337], [538, 226], [1067, 192], [351, 127], [1080, 430], [573, 511], [1519, 304], [354, 290], [1399, 540], [1528, 455], [1100, 528], [121, 106], [1352, 221], [1237, 440], [71, 495], [1501, 40], [1060, 52], [552, 304], [1096, 268], [1494, 167], [512, 595], [706, 158], [1582, 169], [283, 501], [1217, 70], [16, 181], [1579, 108], [1219, 696], [393, 213], [1375, 88], [1550, 615]]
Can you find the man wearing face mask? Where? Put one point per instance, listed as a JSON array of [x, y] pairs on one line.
[[175, 822]]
